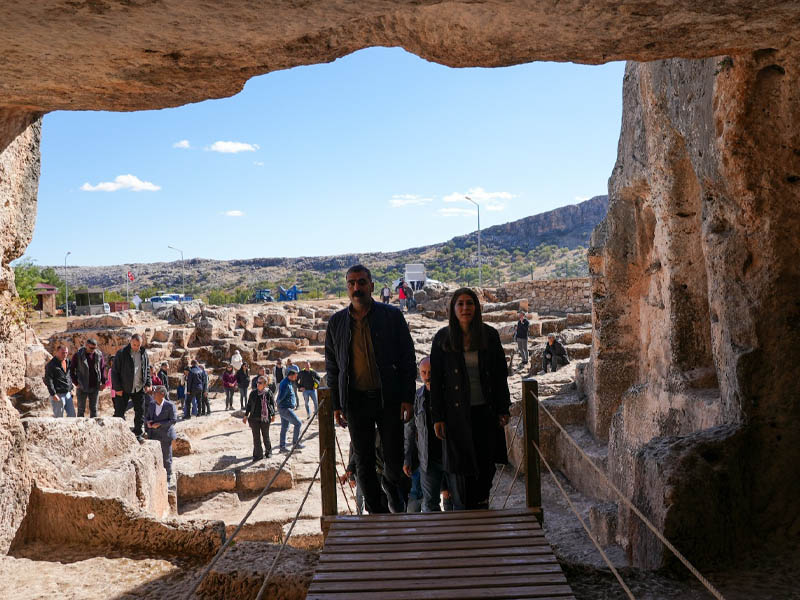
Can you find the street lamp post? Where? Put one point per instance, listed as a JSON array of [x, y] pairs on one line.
[[66, 286], [480, 266], [183, 280]]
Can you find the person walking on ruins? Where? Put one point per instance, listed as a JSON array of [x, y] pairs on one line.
[[130, 377], [229, 383], [521, 337], [307, 384], [160, 420], [260, 372], [87, 369], [205, 405], [278, 373], [58, 382], [163, 375], [259, 413], [194, 391], [371, 373], [154, 378], [287, 403], [554, 355], [243, 381], [386, 294], [401, 294], [422, 445], [469, 400]]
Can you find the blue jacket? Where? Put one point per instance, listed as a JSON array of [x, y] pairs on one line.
[[286, 395], [166, 420], [394, 355]]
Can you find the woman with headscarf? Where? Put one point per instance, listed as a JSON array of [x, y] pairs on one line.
[[469, 400]]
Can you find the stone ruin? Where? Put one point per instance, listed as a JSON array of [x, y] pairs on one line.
[[690, 396]]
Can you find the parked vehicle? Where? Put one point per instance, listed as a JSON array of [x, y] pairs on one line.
[[72, 307], [161, 301]]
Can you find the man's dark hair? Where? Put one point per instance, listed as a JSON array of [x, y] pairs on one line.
[[136, 336], [359, 269], [455, 337], [91, 342], [194, 363]]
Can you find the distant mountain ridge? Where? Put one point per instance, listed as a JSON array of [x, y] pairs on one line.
[[565, 227]]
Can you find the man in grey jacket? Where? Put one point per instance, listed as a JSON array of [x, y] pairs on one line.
[[421, 442]]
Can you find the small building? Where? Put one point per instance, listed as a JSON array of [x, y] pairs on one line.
[[118, 306], [91, 301], [46, 298]]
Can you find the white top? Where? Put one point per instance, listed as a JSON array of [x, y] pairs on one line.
[[159, 407]]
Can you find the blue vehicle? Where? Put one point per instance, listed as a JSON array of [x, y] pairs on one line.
[[293, 293], [263, 295]]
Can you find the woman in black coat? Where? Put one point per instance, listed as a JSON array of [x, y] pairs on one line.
[[469, 400]]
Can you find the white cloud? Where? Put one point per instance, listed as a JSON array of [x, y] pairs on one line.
[[452, 211], [233, 213], [481, 196], [581, 198], [232, 147], [122, 182], [258, 163], [400, 200], [182, 144]]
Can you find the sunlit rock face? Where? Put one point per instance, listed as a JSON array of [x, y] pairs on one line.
[[696, 289]]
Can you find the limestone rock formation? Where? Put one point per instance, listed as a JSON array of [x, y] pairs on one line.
[[696, 281]]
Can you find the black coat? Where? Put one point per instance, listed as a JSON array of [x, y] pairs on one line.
[[394, 355], [253, 410], [450, 399], [122, 372]]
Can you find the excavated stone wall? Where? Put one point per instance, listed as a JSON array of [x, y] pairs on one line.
[[551, 295], [696, 291]]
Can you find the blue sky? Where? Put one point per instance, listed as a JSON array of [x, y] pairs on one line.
[[373, 152]]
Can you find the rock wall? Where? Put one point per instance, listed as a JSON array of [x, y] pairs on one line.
[[545, 296], [696, 292], [19, 183]]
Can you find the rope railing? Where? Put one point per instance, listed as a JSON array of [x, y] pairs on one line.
[[583, 524], [341, 485], [496, 486], [706, 583], [264, 585], [224, 548]]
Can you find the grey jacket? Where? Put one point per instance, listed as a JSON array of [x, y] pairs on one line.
[[417, 434], [79, 370]]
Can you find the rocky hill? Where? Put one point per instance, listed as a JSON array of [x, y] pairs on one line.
[[547, 244]]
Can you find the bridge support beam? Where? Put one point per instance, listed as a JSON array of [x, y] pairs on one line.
[[530, 415], [327, 458]]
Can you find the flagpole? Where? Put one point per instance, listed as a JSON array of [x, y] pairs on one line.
[[127, 288]]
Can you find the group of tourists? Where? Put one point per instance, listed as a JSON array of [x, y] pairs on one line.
[[449, 431]]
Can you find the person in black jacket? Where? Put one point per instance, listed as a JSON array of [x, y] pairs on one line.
[[371, 372], [469, 400], [195, 385], [130, 378], [554, 355], [88, 372], [259, 413], [243, 381], [59, 385], [163, 375], [521, 337]]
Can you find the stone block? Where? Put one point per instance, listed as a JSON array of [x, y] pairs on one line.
[[553, 325], [254, 478], [203, 483], [181, 445], [578, 319], [603, 522]]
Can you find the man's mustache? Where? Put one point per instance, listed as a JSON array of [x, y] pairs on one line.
[[358, 294]]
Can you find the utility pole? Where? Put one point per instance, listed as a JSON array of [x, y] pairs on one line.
[[66, 286], [480, 266], [183, 278]]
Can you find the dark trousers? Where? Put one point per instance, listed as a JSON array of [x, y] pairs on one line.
[[555, 361], [364, 413], [471, 492], [166, 449], [192, 403], [92, 396], [242, 397], [205, 406], [229, 397], [121, 405], [260, 430]]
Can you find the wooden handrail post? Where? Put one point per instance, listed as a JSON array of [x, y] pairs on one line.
[[530, 415], [327, 457]]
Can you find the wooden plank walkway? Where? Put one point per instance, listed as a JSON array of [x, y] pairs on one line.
[[453, 555]]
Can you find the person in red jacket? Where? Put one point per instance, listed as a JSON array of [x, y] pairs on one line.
[[229, 383]]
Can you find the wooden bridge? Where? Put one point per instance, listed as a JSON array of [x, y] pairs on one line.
[[445, 555]]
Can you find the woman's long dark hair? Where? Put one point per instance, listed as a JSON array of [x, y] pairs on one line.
[[455, 339]]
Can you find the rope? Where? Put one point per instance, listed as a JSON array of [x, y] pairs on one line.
[[229, 541], [496, 486], [583, 524], [513, 481], [712, 590], [291, 528], [341, 485]]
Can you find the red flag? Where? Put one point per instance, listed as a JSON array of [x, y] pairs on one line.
[[130, 275]]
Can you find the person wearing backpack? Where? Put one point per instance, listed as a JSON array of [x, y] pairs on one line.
[[307, 383]]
